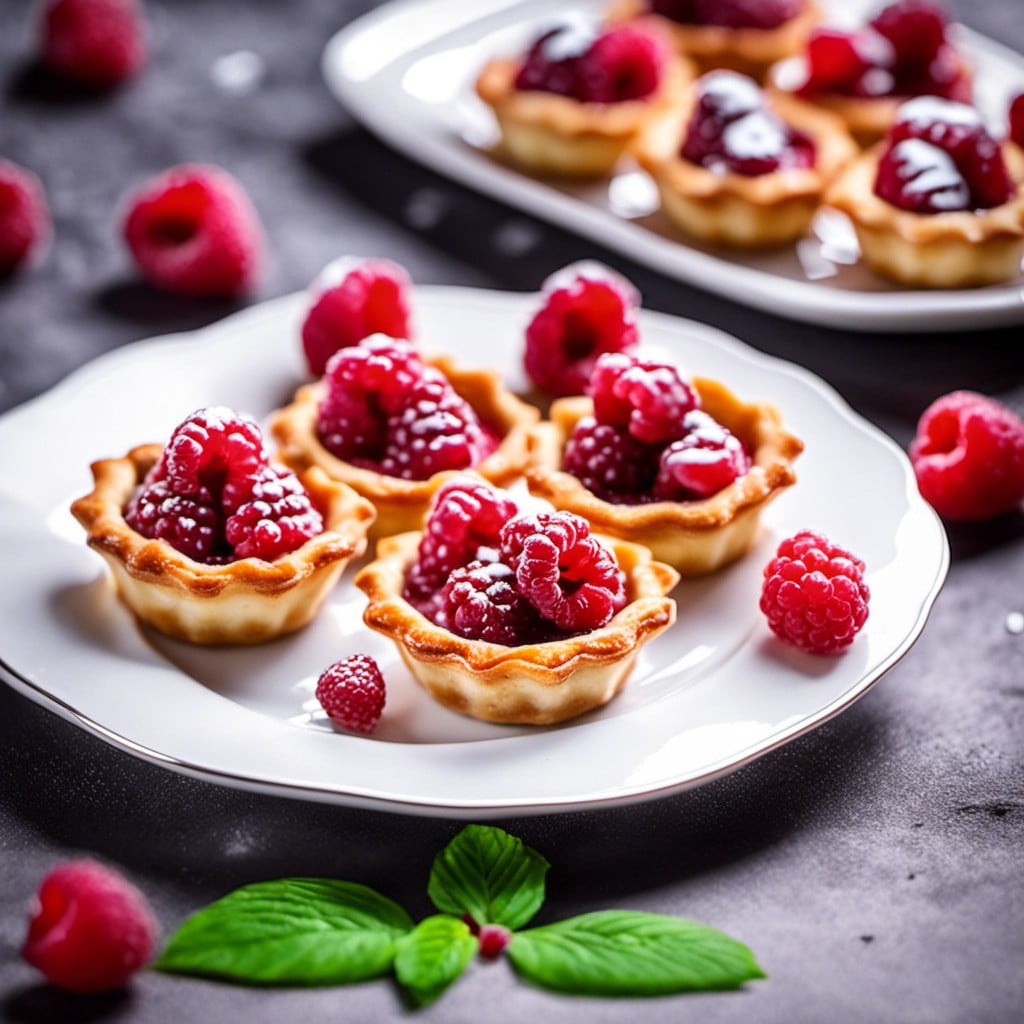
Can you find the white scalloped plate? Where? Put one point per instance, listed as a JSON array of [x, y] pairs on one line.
[[406, 70], [710, 694]]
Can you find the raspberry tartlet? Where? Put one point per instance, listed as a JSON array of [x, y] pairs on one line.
[[748, 36], [512, 617], [391, 424], [211, 542], [587, 310], [742, 166], [939, 203], [576, 101], [684, 468], [864, 76]]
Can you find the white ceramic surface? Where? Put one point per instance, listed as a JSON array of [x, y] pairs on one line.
[[713, 692], [406, 70]]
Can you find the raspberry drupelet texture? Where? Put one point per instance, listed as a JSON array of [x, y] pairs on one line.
[[649, 399], [480, 601], [191, 524], [193, 230], [24, 216], [814, 594], [707, 458], [610, 462], [353, 694], [564, 572], [90, 929], [354, 299], [463, 526], [96, 42], [588, 310], [969, 457]]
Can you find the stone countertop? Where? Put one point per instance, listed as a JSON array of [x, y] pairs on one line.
[[875, 865]]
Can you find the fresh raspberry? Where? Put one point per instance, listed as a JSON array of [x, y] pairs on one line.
[[464, 526], [814, 594], [564, 572], [732, 130], [191, 524], [916, 176], [649, 399], [437, 430], [959, 132], [588, 310], [90, 929], [352, 692], [916, 29], [493, 940], [24, 216], [610, 462], [193, 230], [480, 602], [969, 456], [276, 518], [366, 383], [761, 14], [1017, 120], [706, 459], [576, 59], [353, 299], [852, 63], [98, 42]]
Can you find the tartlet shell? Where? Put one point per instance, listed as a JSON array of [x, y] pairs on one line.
[[536, 684], [695, 537], [402, 505], [244, 602]]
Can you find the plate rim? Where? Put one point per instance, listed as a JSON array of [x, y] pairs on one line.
[[475, 808], [910, 310]]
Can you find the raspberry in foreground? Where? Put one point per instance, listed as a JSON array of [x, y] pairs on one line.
[[969, 457], [97, 42], [814, 594], [90, 929], [480, 602], [352, 692], [24, 216], [352, 300], [193, 230]]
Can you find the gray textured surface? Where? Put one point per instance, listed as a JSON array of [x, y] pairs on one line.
[[875, 865]]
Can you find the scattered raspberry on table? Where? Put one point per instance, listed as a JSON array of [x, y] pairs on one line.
[[97, 42], [352, 692], [24, 216]]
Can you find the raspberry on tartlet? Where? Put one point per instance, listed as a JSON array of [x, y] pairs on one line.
[[24, 217], [193, 230]]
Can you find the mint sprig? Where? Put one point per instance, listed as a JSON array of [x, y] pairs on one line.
[[311, 931]]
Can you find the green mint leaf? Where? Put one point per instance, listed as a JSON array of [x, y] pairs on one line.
[[490, 875], [629, 953], [296, 931], [433, 955]]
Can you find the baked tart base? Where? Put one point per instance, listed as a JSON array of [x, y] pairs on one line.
[[243, 602], [695, 537], [750, 51], [401, 504], [750, 212], [960, 249], [547, 134], [534, 684]]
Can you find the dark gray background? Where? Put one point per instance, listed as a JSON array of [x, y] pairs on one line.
[[875, 866]]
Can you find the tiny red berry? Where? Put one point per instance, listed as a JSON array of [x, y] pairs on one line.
[[90, 929], [493, 940], [96, 42], [814, 594], [352, 692], [24, 217]]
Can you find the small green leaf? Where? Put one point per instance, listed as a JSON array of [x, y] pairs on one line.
[[490, 875], [296, 931], [433, 955], [629, 953]]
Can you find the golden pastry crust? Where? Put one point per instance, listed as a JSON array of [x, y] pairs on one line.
[[243, 602], [695, 537], [402, 505], [535, 684], [547, 134], [750, 51], [960, 249], [752, 212]]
